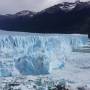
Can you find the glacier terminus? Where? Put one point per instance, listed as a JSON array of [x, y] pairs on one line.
[[37, 54], [60, 56]]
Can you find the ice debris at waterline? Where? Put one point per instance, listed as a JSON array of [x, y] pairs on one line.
[[40, 54], [39, 83]]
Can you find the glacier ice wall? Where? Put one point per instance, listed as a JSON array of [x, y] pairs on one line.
[[36, 54]]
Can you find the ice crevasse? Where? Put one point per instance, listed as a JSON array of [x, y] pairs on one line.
[[36, 54]]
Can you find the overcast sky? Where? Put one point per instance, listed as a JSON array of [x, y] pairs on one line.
[[13, 6]]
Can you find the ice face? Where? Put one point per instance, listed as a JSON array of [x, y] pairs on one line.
[[36, 54]]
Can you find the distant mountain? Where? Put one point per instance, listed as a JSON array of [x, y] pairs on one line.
[[62, 18], [25, 13]]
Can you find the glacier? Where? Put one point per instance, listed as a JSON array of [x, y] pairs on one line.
[[39, 54]]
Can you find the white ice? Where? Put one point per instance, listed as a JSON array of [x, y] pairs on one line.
[[45, 54]]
